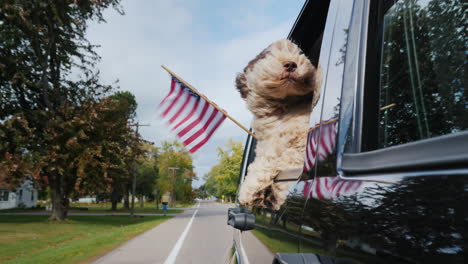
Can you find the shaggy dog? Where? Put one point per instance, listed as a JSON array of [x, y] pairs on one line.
[[280, 87]]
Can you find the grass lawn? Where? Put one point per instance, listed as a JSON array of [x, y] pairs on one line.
[[147, 205], [33, 239], [146, 210], [105, 208]]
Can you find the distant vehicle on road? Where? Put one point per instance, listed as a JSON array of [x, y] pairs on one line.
[[386, 178]]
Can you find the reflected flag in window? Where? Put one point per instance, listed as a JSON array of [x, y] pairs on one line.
[[330, 187], [320, 142]]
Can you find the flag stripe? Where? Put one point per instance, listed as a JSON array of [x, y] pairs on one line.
[[194, 122], [199, 125], [208, 131], [202, 130], [181, 108], [173, 83], [193, 116], [199, 145], [189, 115], [177, 97], [330, 187], [186, 110], [318, 190], [320, 143], [212, 125]]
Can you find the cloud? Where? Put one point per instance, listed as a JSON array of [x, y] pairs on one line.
[[189, 40]]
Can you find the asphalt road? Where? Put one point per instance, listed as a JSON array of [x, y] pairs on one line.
[[199, 235]]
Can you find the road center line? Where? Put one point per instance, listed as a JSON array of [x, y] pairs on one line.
[[175, 251]]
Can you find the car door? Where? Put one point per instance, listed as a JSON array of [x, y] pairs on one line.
[[392, 185]]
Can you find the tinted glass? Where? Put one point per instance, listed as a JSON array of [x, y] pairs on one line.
[[423, 71]]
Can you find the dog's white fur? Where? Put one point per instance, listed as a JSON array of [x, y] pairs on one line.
[[281, 103]]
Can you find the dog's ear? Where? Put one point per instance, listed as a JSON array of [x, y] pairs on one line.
[[241, 85]]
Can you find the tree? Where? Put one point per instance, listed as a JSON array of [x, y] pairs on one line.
[[122, 175], [60, 125], [178, 181], [147, 172], [224, 177], [200, 192]]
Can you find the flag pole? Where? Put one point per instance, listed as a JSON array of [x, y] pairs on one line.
[[210, 102]]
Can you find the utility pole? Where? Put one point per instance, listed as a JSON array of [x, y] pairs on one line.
[[156, 198], [173, 169], [135, 171]]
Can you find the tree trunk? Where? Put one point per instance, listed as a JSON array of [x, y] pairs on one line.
[[142, 202], [114, 205], [126, 197], [114, 199], [60, 203]]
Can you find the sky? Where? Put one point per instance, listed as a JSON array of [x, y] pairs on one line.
[[204, 42]]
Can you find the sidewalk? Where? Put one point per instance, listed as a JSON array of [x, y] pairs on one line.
[[92, 214]]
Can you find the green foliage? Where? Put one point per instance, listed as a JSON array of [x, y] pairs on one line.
[[174, 155], [41, 44], [201, 192], [147, 171], [127, 104], [55, 126], [224, 177]]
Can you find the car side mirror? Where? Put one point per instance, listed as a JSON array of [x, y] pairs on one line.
[[241, 218]]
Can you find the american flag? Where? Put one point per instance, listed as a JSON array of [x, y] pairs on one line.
[[330, 187], [189, 116], [320, 142]]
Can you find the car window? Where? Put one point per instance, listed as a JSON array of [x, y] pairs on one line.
[[422, 80]]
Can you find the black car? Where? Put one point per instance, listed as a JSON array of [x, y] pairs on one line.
[[386, 173]]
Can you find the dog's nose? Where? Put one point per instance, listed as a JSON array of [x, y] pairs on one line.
[[290, 66]]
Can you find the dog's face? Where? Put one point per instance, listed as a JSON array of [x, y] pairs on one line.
[[279, 71]]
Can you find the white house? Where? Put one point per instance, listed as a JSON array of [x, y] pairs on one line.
[[25, 194]]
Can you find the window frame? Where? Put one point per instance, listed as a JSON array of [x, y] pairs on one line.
[[4, 195], [423, 157]]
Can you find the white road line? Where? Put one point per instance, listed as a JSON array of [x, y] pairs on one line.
[[175, 251], [244, 256]]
